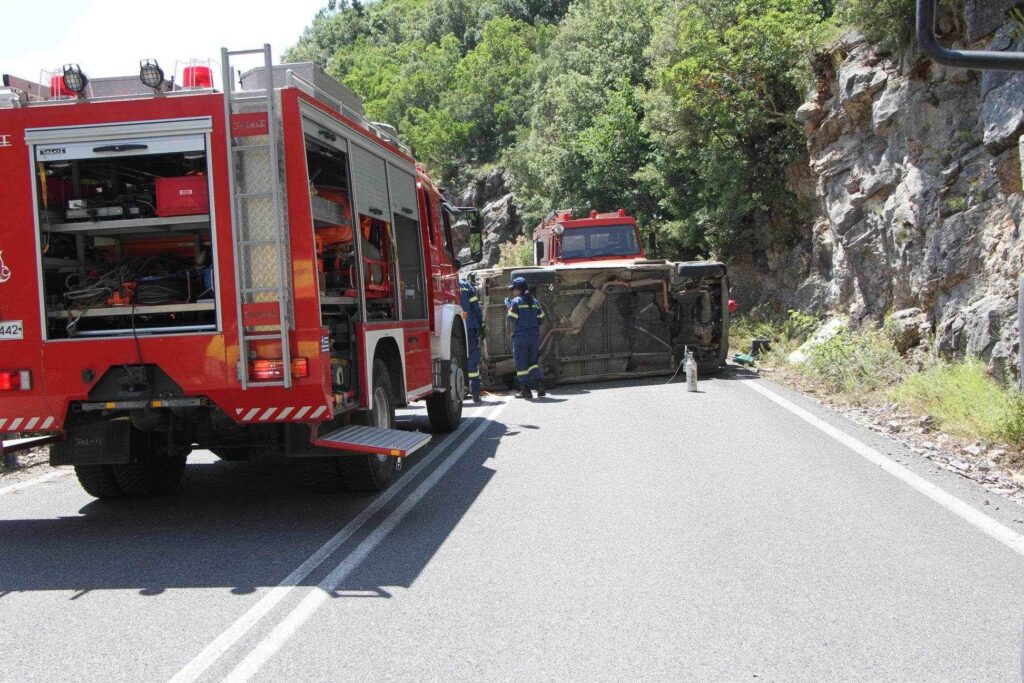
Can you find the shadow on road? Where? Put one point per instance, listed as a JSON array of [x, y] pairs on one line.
[[238, 526]]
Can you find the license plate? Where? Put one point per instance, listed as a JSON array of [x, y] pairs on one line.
[[11, 329]]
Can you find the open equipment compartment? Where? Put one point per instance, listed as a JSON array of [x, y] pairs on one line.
[[123, 213]]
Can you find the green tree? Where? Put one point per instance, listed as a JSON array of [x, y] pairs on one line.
[[729, 76]]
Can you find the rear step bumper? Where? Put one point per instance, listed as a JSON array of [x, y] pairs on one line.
[[373, 440]]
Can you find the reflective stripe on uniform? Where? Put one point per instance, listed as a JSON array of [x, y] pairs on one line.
[[522, 373], [474, 298], [533, 367], [513, 315], [474, 375]]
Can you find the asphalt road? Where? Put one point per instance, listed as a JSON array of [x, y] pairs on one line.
[[628, 531]]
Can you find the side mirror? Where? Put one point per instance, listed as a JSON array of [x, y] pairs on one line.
[[476, 233]]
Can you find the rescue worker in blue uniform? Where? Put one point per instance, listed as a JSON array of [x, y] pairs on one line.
[[474, 322], [526, 316]]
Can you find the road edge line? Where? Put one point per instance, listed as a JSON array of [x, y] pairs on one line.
[[209, 655], [41, 479], [286, 628], [994, 529]]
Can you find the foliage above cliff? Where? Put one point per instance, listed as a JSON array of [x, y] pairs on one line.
[[681, 111]]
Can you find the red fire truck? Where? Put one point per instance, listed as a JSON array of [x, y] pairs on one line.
[[255, 271]]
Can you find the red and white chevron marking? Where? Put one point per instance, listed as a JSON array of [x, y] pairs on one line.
[[275, 414], [26, 424]]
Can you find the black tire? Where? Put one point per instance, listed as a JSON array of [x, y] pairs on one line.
[[700, 269], [99, 481], [152, 471], [373, 473], [445, 409], [536, 276]]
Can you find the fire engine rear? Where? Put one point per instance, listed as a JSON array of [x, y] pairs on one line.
[[259, 271]]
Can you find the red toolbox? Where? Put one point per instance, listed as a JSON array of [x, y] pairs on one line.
[[182, 196]]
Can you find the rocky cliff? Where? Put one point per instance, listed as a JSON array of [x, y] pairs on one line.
[[491, 192], [915, 171]]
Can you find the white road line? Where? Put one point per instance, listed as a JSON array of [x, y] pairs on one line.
[[32, 482], [287, 627], [965, 511], [222, 643]]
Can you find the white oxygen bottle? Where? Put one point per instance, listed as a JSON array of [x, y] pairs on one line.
[[691, 371]]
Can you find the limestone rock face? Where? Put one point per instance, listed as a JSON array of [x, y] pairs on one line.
[[491, 193], [918, 187]]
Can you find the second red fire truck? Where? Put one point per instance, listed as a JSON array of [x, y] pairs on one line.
[[260, 270]]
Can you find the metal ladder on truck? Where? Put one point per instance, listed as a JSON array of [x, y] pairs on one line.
[[258, 229]]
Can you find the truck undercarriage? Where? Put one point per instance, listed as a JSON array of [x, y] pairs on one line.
[[612, 322]]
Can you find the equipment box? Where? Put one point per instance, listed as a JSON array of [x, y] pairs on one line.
[[182, 196]]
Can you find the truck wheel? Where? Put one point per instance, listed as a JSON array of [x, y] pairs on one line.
[[445, 409], [373, 473], [98, 481], [152, 472]]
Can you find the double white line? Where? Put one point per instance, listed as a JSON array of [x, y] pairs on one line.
[[284, 629]]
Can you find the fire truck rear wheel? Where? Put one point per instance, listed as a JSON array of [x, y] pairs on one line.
[[445, 409], [373, 473], [98, 481], [153, 471]]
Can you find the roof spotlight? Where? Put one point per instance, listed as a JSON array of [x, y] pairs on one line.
[[74, 79], [150, 73]]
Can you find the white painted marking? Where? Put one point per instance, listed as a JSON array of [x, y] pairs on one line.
[[965, 511], [250, 415], [17, 423], [3, 420], [266, 415], [49, 421], [30, 425], [284, 630], [318, 412], [238, 411], [285, 412], [222, 643], [33, 482], [302, 412]]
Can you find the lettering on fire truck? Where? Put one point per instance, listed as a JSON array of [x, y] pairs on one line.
[[5, 140]]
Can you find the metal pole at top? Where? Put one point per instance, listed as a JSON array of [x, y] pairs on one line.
[[966, 59]]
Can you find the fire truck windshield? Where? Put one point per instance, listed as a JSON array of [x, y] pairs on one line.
[[607, 240]]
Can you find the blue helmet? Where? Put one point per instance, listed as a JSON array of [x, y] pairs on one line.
[[519, 283]]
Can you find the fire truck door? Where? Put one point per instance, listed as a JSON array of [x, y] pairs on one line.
[[413, 293]]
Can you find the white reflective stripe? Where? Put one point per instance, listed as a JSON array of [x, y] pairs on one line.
[[31, 423], [302, 412], [17, 423], [250, 415], [318, 412], [416, 393], [238, 411], [3, 421], [49, 421], [285, 412], [266, 415]]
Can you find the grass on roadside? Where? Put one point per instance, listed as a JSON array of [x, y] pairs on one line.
[[857, 362], [966, 401]]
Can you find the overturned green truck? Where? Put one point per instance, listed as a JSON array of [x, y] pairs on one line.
[[611, 312]]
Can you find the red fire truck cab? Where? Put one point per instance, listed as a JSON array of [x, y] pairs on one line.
[[260, 271], [561, 238]]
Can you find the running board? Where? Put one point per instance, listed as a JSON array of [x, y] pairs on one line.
[[373, 440]]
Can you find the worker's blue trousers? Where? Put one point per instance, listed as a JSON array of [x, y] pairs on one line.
[[525, 348], [473, 361]]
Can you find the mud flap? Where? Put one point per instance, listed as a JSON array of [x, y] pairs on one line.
[[97, 443]]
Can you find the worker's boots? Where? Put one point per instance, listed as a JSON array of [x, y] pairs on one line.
[[525, 393], [541, 393]]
